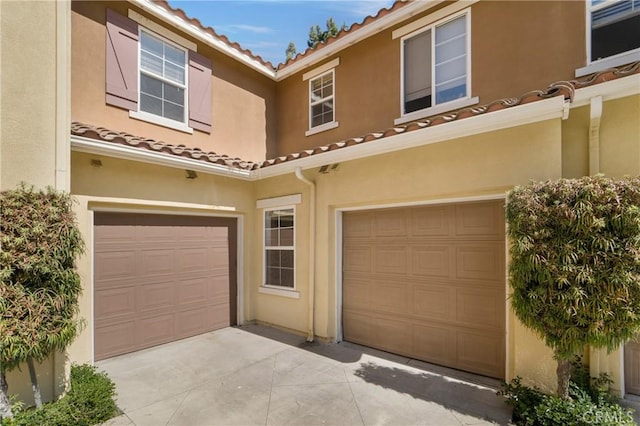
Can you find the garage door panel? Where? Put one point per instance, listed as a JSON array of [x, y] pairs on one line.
[[389, 297], [436, 292], [391, 260], [115, 338], [480, 262], [431, 221], [433, 302], [169, 281], [479, 308], [358, 259], [430, 261], [154, 330], [481, 352], [479, 219], [434, 344], [156, 262], [154, 296], [114, 302], [391, 224]]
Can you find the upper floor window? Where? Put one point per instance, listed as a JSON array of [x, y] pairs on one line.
[[435, 63], [163, 85], [156, 74], [321, 100], [615, 27]]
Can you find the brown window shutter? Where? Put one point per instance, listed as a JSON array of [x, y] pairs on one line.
[[199, 92], [122, 61]]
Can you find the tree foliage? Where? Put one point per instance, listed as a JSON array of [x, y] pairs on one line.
[[39, 286], [575, 261], [317, 35], [291, 50]]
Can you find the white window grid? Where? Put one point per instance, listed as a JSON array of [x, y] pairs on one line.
[[266, 247], [320, 100]]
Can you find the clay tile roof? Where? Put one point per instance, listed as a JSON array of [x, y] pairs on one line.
[[349, 30], [200, 26], [561, 88], [121, 138]]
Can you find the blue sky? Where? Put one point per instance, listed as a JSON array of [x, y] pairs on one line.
[[267, 26]]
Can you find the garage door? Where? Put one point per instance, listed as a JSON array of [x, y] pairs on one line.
[[428, 282], [159, 278], [632, 367]]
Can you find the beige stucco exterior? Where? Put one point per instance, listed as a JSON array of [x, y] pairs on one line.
[[256, 117]]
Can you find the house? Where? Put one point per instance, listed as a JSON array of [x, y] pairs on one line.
[[354, 193]]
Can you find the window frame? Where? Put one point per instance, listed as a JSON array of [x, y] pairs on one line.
[[609, 61], [154, 118], [292, 248], [330, 124], [436, 108]]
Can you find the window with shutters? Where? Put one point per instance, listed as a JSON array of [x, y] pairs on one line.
[[156, 75], [436, 66]]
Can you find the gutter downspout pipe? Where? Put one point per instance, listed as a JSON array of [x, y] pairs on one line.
[[312, 250]]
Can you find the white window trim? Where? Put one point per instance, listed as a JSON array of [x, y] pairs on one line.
[[270, 288], [156, 119], [159, 29], [446, 106], [333, 123], [608, 62], [321, 69]]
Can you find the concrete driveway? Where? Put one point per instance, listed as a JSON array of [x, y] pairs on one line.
[[257, 375]]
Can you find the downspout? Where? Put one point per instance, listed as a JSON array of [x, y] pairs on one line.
[[594, 135], [312, 250]]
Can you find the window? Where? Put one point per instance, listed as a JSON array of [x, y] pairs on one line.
[[162, 78], [615, 27], [435, 65], [156, 75], [321, 100], [279, 247]]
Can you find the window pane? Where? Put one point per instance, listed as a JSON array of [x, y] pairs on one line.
[[174, 72], [273, 258], [271, 237], [151, 63], [273, 276], [173, 111], [451, 70], [286, 258], [150, 104], [174, 94], [286, 236], [327, 91], [286, 277], [150, 86], [417, 67], [615, 37], [151, 44], [450, 30], [173, 54], [286, 221], [451, 49], [321, 113], [451, 91]]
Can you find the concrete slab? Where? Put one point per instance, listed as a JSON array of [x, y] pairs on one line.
[[260, 375]]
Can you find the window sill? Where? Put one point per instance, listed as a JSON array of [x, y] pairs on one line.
[[279, 292], [606, 63], [438, 109], [323, 128], [160, 121]]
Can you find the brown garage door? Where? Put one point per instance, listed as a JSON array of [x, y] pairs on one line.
[[632, 367], [428, 282], [159, 278]]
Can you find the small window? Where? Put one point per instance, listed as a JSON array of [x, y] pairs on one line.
[[615, 27], [321, 96], [435, 65], [279, 247], [162, 78]]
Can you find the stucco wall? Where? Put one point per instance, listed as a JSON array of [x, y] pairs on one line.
[[243, 109], [139, 187], [510, 55], [486, 164]]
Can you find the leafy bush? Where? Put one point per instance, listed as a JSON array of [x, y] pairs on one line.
[[590, 402], [90, 401]]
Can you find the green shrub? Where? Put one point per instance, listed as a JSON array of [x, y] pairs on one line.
[[90, 401], [590, 402]]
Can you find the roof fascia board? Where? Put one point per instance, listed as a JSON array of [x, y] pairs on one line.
[[609, 90], [349, 39], [515, 116], [205, 37], [92, 146]]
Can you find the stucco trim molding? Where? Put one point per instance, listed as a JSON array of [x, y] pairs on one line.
[[285, 200]]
